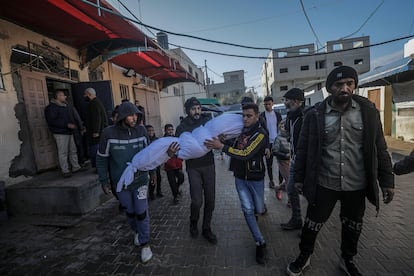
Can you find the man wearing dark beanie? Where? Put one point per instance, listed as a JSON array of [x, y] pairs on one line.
[[294, 99], [342, 155], [201, 174]]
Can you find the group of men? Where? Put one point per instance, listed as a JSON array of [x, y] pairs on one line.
[[338, 152], [67, 128]]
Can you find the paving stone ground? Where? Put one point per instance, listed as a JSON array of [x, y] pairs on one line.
[[101, 242]]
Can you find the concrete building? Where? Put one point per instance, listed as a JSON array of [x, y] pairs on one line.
[[304, 67], [172, 98], [231, 90], [391, 88]]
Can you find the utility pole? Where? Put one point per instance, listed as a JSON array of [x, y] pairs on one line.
[[267, 85], [207, 80]]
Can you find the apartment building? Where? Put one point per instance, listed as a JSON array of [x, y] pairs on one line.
[[306, 67]]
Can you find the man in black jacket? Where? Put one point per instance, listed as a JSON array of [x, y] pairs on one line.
[[405, 165], [341, 155], [201, 174], [62, 123], [248, 167], [96, 121], [294, 99]]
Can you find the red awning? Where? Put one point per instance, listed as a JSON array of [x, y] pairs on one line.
[[80, 25]]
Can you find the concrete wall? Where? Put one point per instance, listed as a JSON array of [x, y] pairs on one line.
[[404, 121], [14, 126]]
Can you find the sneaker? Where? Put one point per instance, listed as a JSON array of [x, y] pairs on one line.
[[176, 200], [292, 224], [80, 169], [136, 240], [261, 253], [348, 266], [208, 235], [193, 230], [264, 210], [146, 254], [296, 267], [279, 194], [67, 174]]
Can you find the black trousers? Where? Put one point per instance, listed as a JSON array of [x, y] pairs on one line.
[[351, 214], [158, 184], [202, 185], [175, 179]]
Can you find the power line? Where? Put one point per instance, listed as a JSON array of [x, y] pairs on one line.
[[365, 22], [315, 54], [310, 24]]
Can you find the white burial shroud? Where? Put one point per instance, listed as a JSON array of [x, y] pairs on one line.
[[191, 146]]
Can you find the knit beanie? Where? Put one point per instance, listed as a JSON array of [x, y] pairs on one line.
[[189, 103], [341, 72], [295, 94]]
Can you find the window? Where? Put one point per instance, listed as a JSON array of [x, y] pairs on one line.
[[304, 68], [304, 51], [284, 88], [283, 70], [406, 112], [124, 89], [190, 69], [338, 63], [320, 64], [337, 47], [196, 76], [281, 54], [358, 61], [358, 44], [177, 91]]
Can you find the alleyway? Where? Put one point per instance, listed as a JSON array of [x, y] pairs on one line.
[[101, 242]]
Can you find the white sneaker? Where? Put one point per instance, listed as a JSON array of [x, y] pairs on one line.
[[146, 254], [136, 240]]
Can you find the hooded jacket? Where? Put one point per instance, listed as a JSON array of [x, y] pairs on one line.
[[377, 162], [117, 147]]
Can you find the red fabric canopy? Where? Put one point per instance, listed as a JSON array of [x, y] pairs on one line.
[[80, 25]]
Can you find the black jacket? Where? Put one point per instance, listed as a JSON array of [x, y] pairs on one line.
[[58, 116], [405, 165], [188, 124], [377, 162], [96, 121], [247, 159]]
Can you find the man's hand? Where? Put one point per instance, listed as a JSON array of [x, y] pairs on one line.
[[222, 138], [215, 143], [299, 187], [173, 149], [268, 153], [71, 126], [387, 194], [95, 134], [106, 188]]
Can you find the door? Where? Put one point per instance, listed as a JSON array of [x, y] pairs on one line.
[[103, 92], [151, 102], [36, 99], [375, 97]]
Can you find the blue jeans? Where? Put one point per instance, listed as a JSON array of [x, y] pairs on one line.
[[251, 194], [136, 205], [293, 194]]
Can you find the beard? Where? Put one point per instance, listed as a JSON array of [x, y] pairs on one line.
[[342, 99]]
